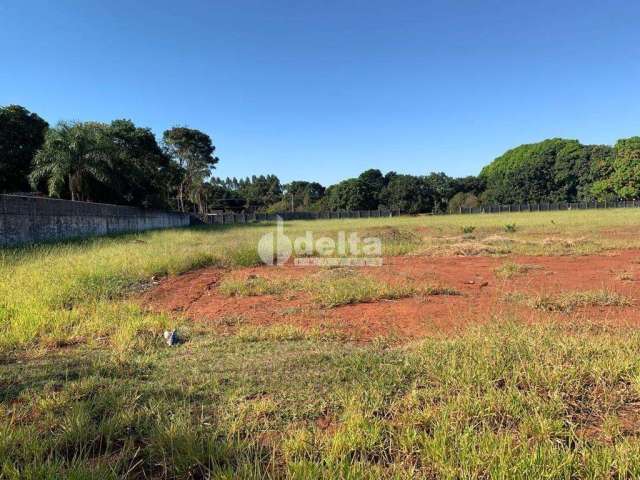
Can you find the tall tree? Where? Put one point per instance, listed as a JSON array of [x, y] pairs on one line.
[[192, 150], [303, 194], [74, 156], [625, 178], [374, 182], [442, 186], [544, 171], [140, 170], [408, 194], [351, 194], [260, 191], [21, 135]]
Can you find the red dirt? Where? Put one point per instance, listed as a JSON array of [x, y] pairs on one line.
[[195, 295]]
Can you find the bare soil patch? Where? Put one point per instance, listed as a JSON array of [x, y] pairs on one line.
[[482, 298]]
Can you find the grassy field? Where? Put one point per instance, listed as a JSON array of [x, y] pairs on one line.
[[88, 389]]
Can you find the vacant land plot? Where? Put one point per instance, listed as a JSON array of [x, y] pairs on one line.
[[485, 346]]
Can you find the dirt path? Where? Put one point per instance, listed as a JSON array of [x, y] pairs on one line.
[[195, 295]]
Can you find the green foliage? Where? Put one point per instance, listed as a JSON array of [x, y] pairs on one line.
[[192, 150], [553, 170], [352, 194], [21, 135], [408, 194], [462, 200], [468, 229], [625, 178], [122, 163], [74, 158], [510, 227], [302, 195]]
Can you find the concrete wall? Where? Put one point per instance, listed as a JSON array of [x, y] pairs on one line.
[[25, 219]]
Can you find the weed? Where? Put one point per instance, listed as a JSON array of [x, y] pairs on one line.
[[253, 286], [569, 301], [511, 269]]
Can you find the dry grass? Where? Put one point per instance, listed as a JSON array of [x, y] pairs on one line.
[[568, 301], [511, 269]]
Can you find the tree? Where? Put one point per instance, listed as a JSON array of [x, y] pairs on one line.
[[73, 157], [625, 178], [140, 171], [192, 150], [21, 135], [375, 182], [304, 194], [462, 200], [260, 191], [442, 187], [351, 194], [544, 171], [214, 196], [469, 184], [408, 194]]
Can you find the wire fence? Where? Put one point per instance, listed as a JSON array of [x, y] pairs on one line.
[[233, 218], [228, 218], [547, 207]]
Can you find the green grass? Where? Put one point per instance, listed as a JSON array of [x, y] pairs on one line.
[[568, 301], [331, 288], [88, 389], [511, 269], [507, 400], [78, 292]]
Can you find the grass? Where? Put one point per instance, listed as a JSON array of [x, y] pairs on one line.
[[331, 288], [88, 389], [511, 269], [77, 292], [506, 400], [568, 301]]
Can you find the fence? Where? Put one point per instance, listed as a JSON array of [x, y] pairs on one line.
[[232, 218], [547, 207], [27, 219]]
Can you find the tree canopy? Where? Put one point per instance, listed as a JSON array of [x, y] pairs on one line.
[[120, 162], [21, 135]]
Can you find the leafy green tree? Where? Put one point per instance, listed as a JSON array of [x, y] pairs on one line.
[[544, 171], [351, 194], [600, 168], [442, 187], [375, 183], [214, 196], [192, 150], [140, 171], [260, 191], [74, 157], [625, 178], [469, 184], [462, 200], [304, 193], [21, 135], [409, 194]]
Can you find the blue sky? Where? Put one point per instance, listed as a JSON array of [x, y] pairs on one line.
[[323, 90]]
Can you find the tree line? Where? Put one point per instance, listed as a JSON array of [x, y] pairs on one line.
[[122, 163]]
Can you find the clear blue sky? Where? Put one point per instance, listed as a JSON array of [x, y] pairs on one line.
[[325, 89]]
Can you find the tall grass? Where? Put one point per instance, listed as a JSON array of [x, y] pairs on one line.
[[502, 401], [78, 291]]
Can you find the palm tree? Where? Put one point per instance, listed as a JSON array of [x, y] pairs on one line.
[[73, 154]]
